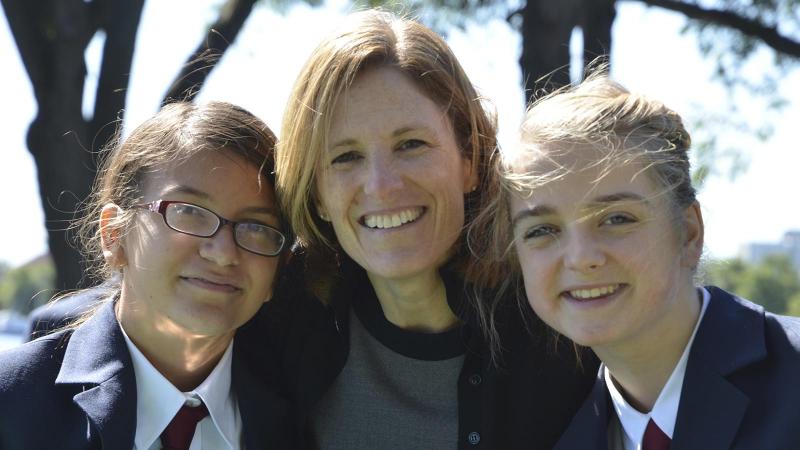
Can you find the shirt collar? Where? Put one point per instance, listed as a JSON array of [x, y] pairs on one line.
[[158, 400], [665, 410]]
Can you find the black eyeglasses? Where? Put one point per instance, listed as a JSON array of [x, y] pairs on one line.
[[198, 221]]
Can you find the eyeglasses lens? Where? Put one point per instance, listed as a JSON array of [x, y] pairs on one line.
[[259, 239], [191, 219]]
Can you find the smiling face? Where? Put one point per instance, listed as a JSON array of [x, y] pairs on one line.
[[185, 285], [604, 259], [392, 182]]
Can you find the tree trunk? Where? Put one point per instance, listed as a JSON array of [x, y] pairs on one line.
[[120, 20], [598, 18], [546, 31], [52, 37]]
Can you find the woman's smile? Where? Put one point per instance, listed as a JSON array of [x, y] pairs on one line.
[[392, 220]]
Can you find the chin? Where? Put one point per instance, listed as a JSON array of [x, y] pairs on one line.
[[397, 268], [591, 337]]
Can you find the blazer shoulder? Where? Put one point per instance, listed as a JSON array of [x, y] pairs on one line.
[[60, 312], [32, 365], [783, 334]]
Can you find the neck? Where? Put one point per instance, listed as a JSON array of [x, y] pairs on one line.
[[640, 367], [185, 359], [417, 303]]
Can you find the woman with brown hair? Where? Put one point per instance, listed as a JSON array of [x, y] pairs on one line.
[[384, 154]]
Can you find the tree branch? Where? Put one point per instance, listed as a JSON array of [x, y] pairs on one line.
[[205, 57], [749, 27]]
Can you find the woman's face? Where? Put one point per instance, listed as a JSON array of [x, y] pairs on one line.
[[392, 182], [602, 256], [183, 284]]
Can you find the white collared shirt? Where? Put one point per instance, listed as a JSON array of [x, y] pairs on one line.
[[158, 400], [665, 410]]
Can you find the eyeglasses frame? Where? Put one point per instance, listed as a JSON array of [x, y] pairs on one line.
[[160, 206]]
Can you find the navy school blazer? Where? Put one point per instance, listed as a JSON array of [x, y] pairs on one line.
[[77, 390], [741, 389]]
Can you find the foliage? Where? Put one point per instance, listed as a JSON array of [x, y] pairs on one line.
[[748, 68], [26, 287], [773, 283], [793, 305], [753, 45]]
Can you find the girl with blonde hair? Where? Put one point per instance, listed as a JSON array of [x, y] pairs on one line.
[[598, 220]]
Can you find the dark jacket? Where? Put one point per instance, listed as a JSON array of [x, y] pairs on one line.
[[526, 403], [77, 390], [58, 314], [740, 390]]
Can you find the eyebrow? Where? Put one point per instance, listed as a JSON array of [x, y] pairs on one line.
[[536, 211], [180, 189], [601, 201], [618, 197], [398, 132]]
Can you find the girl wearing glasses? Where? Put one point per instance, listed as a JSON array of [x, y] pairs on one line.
[[600, 220], [185, 227]]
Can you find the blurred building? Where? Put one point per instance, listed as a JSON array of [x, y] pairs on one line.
[[789, 245]]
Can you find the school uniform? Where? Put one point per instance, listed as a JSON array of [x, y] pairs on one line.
[[77, 389], [738, 390]]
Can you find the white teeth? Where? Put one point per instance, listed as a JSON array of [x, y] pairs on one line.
[[594, 292], [392, 220]]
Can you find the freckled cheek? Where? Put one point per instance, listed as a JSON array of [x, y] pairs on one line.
[[335, 195]]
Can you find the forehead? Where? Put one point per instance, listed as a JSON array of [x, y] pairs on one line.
[[216, 172], [576, 175], [380, 100]]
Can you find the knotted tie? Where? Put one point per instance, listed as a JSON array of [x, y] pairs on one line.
[[654, 438], [180, 431]]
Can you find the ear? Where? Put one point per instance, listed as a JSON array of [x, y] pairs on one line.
[[694, 233], [323, 213], [111, 235], [470, 172]]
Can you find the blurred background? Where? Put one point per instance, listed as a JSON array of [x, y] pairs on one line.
[[76, 71]]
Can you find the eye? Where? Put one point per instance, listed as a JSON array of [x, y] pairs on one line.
[[345, 157], [411, 144], [618, 219], [539, 231], [186, 209]]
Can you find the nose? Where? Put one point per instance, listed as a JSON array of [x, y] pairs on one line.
[[221, 248], [582, 252], [383, 176]]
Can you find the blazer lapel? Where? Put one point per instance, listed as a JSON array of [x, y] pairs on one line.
[[730, 337], [589, 428], [97, 359]]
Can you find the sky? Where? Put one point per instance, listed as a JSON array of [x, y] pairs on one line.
[[649, 56]]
